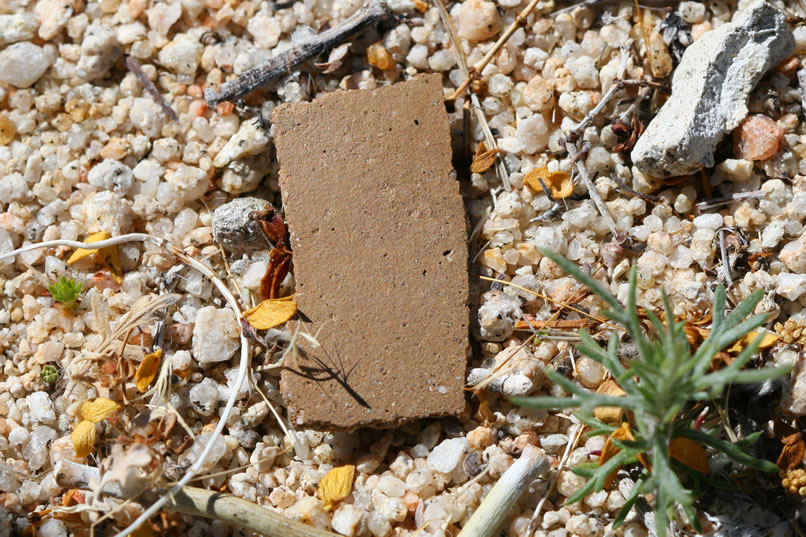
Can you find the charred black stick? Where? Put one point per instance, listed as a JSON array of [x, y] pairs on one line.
[[149, 86], [258, 76]]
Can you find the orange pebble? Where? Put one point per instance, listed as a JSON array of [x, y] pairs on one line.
[[224, 108], [198, 108]]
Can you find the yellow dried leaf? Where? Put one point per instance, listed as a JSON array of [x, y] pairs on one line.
[[559, 183], [83, 437], [143, 530], [483, 159], [81, 253], [147, 371], [270, 313], [98, 409], [609, 414], [690, 453], [767, 341], [336, 485], [610, 450]]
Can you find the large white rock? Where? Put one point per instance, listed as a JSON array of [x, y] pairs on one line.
[[710, 89], [215, 335]]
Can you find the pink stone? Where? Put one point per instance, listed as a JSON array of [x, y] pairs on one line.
[[757, 138]]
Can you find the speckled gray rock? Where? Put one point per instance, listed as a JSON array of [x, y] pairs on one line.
[[710, 89], [233, 229], [498, 315]]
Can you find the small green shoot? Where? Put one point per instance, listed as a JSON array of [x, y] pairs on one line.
[[66, 291], [660, 386], [50, 374]]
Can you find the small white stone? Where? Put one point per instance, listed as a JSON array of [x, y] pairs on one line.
[[793, 255], [591, 373], [791, 286], [17, 27], [581, 217], [569, 483], [22, 64], [52, 528], [500, 85], [266, 30], [478, 20], [215, 335], [517, 386], [249, 140], [734, 169], [583, 69], [498, 315], [532, 133], [147, 116], [442, 60], [447, 455], [392, 486], [553, 443], [111, 175], [708, 221], [162, 15], [772, 234], [378, 524], [219, 450], [99, 51], [692, 12], [35, 451], [346, 519], [41, 407], [418, 56], [106, 211], [204, 397], [575, 103], [182, 55]]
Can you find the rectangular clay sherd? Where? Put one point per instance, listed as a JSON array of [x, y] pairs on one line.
[[380, 258]]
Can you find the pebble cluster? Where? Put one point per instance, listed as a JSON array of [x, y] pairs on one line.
[[85, 148]]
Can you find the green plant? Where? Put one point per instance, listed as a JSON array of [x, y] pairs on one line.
[[50, 374], [660, 387], [66, 291]]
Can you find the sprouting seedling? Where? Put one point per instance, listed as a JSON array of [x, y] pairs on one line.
[[66, 291], [660, 387], [50, 374]]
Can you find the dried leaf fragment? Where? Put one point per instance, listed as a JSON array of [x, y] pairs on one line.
[[792, 452], [81, 253], [98, 409], [689, 452], [611, 449], [768, 340], [334, 59], [336, 485], [609, 414], [147, 371], [270, 313], [83, 437], [559, 183], [484, 158]]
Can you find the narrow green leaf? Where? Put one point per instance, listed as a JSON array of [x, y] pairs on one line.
[[630, 500], [546, 403], [729, 449], [744, 309]]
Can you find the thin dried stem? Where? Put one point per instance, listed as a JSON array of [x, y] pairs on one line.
[[475, 70], [283, 63]]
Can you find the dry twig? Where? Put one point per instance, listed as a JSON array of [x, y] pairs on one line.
[[282, 64], [149, 86], [194, 501], [511, 485], [475, 70]]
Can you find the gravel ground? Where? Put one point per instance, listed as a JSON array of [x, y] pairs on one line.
[[85, 149]]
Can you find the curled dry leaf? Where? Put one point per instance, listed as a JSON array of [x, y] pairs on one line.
[[336, 485], [793, 451], [689, 452], [270, 313], [609, 414], [98, 409], [147, 371], [559, 183], [83, 437], [335, 59], [483, 159]]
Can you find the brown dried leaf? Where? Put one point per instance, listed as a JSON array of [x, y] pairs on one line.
[[609, 414], [690, 453], [767, 341], [336, 485], [147, 371], [270, 313], [792, 453], [98, 409], [483, 159], [83, 437]]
